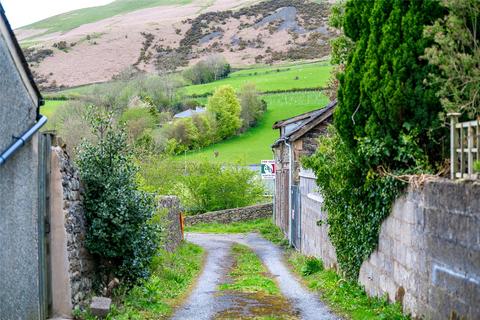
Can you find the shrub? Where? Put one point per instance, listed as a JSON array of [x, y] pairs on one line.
[[210, 187], [225, 109], [118, 215], [253, 108], [312, 265], [211, 69]]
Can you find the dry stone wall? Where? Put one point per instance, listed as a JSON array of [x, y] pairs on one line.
[[233, 215], [78, 269]]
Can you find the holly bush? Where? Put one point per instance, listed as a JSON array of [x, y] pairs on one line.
[[120, 231]]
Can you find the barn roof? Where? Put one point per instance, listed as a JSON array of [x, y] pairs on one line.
[[299, 125], [18, 57]]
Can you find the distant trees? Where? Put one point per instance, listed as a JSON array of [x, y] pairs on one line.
[[253, 107], [225, 110], [213, 68]]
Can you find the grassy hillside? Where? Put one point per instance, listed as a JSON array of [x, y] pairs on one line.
[[311, 75], [71, 20], [254, 145]]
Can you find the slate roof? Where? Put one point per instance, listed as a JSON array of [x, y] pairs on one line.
[[295, 127], [19, 58], [189, 113]]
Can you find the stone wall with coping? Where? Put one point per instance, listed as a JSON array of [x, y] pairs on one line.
[[233, 215], [73, 268], [428, 255]]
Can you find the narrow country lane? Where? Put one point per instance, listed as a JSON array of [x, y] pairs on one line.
[[206, 302]]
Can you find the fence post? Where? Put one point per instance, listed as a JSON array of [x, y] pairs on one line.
[[453, 143]]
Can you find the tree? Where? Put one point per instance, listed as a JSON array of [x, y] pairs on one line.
[[253, 107], [386, 119], [211, 69], [225, 109], [382, 96], [118, 214], [456, 52]]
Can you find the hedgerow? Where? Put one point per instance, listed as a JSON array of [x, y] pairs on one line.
[[386, 120]]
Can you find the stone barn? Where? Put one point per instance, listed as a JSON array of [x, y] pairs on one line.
[[298, 138], [22, 191]]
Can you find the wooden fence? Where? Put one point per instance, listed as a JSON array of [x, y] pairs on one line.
[[464, 147]]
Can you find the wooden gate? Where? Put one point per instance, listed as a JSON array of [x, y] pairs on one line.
[[44, 154]]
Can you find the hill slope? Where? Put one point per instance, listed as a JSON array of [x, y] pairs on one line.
[[95, 44]]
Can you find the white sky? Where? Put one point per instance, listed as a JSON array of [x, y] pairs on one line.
[[24, 12]]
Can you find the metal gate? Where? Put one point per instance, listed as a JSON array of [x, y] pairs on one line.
[[44, 170], [296, 217]]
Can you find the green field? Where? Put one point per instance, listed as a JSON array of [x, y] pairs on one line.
[[50, 107], [71, 20], [254, 145], [310, 75]]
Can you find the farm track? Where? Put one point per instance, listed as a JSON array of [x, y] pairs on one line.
[[206, 303]]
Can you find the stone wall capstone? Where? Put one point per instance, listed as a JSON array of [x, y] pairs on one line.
[[233, 215]]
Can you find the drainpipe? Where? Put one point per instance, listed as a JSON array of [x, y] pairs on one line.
[[290, 170], [21, 141]]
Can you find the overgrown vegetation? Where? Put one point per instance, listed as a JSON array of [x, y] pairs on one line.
[[456, 52], [344, 297], [386, 122], [211, 69], [156, 297], [120, 232]]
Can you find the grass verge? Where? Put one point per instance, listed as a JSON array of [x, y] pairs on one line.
[[263, 226], [249, 274], [172, 277], [343, 297]]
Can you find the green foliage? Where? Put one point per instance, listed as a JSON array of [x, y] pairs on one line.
[[356, 199], [118, 214], [225, 109], [172, 276], [254, 144], [345, 298], [267, 79], [311, 266], [253, 108], [385, 120], [382, 93], [249, 273], [211, 187], [456, 52], [211, 69], [476, 166]]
